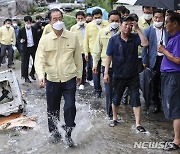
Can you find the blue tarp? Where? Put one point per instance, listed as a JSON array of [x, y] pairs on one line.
[[105, 13]]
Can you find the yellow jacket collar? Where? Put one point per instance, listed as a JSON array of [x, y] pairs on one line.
[[54, 36]]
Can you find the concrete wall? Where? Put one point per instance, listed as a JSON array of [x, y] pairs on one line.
[[9, 9]]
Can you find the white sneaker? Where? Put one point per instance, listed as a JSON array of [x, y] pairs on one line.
[[81, 87], [91, 83]]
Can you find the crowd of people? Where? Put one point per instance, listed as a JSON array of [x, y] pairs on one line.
[[120, 48]]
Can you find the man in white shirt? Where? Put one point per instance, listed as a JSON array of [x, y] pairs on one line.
[[152, 58], [28, 37]]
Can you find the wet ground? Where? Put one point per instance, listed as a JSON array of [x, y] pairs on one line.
[[92, 134]]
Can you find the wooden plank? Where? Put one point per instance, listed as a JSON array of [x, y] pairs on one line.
[[5, 119]]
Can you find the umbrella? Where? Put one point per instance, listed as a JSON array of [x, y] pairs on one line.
[[145, 84], [104, 12], [130, 2], [165, 4]]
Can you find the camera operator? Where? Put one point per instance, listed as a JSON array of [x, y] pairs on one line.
[[39, 26]]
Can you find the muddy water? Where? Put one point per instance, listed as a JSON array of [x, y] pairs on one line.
[[92, 135]]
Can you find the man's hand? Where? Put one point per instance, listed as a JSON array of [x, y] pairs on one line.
[[22, 40], [161, 48], [135, 25], [42, 83], [106, 78], [145, 65], [78, 81], [94, 70]]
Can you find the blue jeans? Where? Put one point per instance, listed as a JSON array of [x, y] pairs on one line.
[[54, 92], [108, 92]]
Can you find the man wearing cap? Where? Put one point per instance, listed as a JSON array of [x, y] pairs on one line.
[[122, 51]]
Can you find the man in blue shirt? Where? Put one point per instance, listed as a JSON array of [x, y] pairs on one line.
[[16, 30], [122, 51]]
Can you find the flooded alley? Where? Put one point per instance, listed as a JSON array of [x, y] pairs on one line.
[[92, 134]]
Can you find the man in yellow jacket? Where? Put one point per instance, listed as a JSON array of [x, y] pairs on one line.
[[48, 28], [146, 19], [7, 39], [79, 29], [58, 55], [91, 32], [99, 52]]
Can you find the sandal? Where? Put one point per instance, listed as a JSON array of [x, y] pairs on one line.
[[172, 147], [141, 129], [113, 123]]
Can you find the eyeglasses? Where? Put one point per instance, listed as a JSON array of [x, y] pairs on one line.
[[57, 19]]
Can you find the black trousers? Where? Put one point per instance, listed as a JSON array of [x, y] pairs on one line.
[[3, 53], [156, 83], [84, 70], [54, 92], [30, 51]]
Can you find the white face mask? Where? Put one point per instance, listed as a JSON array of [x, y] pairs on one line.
[[8, 25], [98, 21], [147, 16], [81, 23], [158, 24], [14, 25], [59, 25], [28, 26], [114, 25]]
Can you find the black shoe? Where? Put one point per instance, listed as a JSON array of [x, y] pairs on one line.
[[33, 77], [172, 147], [27, 80], [55, 137], [141, 129], [11, 66], [68, 138]]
